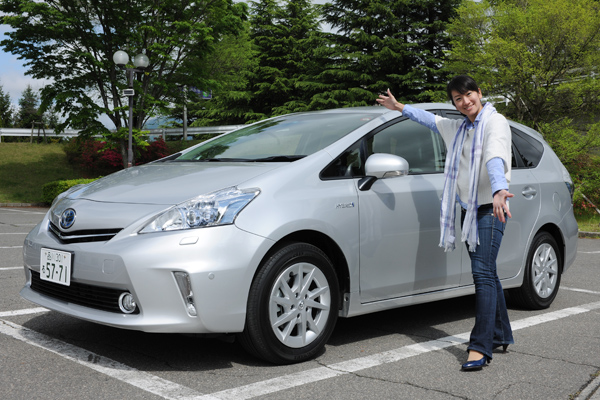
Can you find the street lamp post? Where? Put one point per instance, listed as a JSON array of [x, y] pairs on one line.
[[140, 62]]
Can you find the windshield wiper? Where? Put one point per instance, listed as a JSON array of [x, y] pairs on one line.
[[278, 158], [223, 160]]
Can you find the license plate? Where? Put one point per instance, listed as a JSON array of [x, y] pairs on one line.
[[55, 266]]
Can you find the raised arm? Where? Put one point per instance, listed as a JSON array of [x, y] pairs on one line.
[[390, 102], [422, 117]]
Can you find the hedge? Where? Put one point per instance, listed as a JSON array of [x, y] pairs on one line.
[[52, 189]]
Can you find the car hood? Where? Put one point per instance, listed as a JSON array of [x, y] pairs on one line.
[[169, 183]]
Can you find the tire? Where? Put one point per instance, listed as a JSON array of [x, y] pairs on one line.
[[292, 305], [542, 274]]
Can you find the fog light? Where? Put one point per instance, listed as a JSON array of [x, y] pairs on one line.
[[127, 303], [185, 288]]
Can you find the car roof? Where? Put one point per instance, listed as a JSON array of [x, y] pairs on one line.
[[382, 110], [379, 110]]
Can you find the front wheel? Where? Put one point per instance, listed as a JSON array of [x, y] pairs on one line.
[[292, 305], [542, 274]]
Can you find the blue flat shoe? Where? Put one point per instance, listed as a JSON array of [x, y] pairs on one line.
[[476, 364]]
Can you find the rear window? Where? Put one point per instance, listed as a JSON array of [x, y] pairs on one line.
[[527, 152]]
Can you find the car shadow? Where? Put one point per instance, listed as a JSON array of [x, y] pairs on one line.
[[194, 352], [419, 322]]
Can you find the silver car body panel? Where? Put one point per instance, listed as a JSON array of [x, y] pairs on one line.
[[387, 235]]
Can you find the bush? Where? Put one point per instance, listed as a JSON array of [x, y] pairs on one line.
[[154, 151], [585, 173], [52, 189], [576, 148], [95, 157]]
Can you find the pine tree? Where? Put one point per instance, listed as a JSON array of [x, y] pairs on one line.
[[28, 113], [381, 44], [302, 45], [280, 74], [285, 38], [6, 111]]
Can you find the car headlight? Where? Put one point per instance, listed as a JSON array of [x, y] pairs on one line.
[[217, 208]]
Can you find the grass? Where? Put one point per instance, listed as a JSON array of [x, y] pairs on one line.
[[25, 168], [588, 222]]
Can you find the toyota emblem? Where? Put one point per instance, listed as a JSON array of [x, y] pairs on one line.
[[67, 219]]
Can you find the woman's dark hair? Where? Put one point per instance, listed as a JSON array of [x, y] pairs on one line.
[[462, 84]]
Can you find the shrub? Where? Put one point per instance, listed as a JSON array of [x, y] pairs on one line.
[[52, 189], [95, 157], [154, 151]]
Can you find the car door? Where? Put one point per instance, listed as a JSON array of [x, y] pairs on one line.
[[399, 219], [524, 206]]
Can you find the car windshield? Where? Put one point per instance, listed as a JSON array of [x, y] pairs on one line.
[[285, 138]]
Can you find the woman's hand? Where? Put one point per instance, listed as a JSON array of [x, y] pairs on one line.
[[390, 101], [501, 204]]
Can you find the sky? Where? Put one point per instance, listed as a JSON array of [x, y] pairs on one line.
[[12, 74]]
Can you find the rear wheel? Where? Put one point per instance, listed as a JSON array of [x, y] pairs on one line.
[[542, 274], [292, 305]]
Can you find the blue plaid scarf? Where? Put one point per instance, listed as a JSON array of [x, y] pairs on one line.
[[447, 210]]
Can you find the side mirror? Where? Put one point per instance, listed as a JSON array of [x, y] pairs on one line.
[[382, 166]]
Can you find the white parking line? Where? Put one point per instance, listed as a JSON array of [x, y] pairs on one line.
[[114, 369], [21, 211], [579, 290], [14, 233], [298, 379], [11, 247], [171, 390], [23, 312], [9, 268]]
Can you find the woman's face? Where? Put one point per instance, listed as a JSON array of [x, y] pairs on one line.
[[468, 103]]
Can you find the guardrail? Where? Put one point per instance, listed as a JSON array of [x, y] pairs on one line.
[[153, 133]]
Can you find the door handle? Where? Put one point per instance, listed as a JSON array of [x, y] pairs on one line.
[[529, 192]]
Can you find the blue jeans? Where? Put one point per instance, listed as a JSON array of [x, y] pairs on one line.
[[492, 327]]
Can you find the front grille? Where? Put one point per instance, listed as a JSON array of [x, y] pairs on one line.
[[89, 235], [97, 297]]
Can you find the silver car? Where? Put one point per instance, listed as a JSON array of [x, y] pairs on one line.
[[275, 230]]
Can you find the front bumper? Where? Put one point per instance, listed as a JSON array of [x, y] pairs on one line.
[[220, 261]]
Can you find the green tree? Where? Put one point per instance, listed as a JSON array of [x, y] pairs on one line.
[[228, 69], [28, 113], [541, 58], [540, 55], [51, 119], [287, 39], [277, 74], [6, 110], [375, 45], [72, 43]]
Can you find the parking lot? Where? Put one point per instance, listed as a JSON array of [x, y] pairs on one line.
[[407, 353]]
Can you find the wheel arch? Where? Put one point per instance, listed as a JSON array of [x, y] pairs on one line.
[[556, 233], [327, 245]]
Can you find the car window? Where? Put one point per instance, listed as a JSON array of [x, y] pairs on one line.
[[348, 165], [526, 150], [421, 147]]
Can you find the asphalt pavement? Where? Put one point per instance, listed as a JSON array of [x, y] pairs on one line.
[[409, 353]]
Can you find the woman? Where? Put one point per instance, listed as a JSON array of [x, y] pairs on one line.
[[477, 172]]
